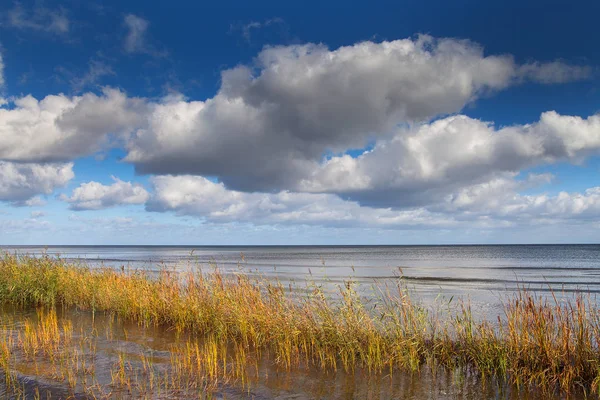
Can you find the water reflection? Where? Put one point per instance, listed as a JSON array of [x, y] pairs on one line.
[[118, 342]]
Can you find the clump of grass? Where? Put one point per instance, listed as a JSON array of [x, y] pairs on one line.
[[7, 360], [45, 335], [547, 344], [46, 346]]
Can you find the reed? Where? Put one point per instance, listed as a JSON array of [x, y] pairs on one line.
[[236, 319]]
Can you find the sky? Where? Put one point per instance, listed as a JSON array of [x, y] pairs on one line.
[[249, 123]]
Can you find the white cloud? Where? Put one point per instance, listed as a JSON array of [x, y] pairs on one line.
[[421, 164], [96, 70], [62, 128], [492, 204], [491, 197], [136, 35], [38, 19], [36, 201], [37, 214], [270, 124], [2, 100], [247, 29], [200, 197], [96, 196], [22, 182], [554, 72], [499, 199], [136, 40], [564, 205], [24, 227]]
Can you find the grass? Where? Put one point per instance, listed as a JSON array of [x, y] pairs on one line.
[[234, 320]]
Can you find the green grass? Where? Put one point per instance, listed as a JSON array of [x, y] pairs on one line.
[[549, 345]]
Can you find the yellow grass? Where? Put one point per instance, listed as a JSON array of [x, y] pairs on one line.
[[550, 345]]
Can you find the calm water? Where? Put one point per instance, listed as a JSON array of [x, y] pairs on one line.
[[113, 338], [482, 274]]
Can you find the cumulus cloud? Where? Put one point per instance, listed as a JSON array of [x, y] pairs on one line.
[[96, 196], [421, 164], [491, 197], [499, 199], [492, 204], [38, 19], [270, 124], [564, 205], [200, 197], [62, 128], [22, 182]]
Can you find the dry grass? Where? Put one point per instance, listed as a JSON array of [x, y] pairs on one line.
[[546, 344]]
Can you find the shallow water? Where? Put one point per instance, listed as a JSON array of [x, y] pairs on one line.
[[116, 340]]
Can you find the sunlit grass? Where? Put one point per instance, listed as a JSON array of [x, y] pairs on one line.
[[234, 319]]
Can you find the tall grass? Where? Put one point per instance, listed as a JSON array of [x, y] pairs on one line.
[[546, 344]]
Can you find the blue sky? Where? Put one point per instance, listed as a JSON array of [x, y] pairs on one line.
[[299, 123]]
